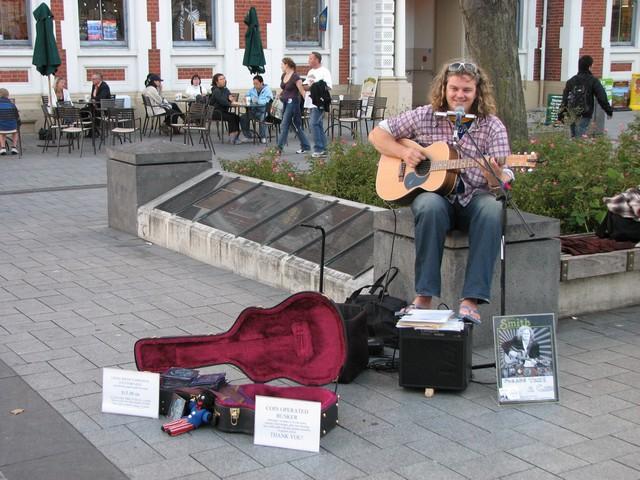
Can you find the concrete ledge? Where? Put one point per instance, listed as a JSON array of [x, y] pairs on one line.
[[245, 257], [140, 172], [532, 270]]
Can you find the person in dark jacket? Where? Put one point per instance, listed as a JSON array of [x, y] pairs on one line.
[[577, 98], [221, 100], [100, 89]]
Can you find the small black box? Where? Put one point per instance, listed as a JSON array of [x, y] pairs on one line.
[[432, 359]]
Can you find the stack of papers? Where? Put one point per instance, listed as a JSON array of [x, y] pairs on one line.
[[422, 319]]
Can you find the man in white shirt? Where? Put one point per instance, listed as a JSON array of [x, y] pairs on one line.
[[317, 73]]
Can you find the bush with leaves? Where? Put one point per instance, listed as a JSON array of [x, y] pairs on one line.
[[349, 172], [575, 175]]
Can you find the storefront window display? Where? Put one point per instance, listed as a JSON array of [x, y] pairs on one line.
[[624, 18], [301, 21], [192, 22], [102, 22], [14, 22]]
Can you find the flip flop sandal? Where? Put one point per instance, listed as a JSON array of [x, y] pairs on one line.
[[408, 308], [469, 314]]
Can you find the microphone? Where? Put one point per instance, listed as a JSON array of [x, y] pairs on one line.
[[459, 110]]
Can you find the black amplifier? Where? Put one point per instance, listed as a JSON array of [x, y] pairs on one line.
[[433, 359]]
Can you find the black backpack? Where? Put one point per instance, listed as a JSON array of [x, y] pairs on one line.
[[577, 99]]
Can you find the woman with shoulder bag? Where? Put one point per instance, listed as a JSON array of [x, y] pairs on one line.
[[292, 92]]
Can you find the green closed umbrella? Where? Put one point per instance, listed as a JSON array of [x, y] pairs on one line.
[[45, 52], [253, 52]]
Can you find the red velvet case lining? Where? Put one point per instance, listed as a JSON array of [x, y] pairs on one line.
[[237, 396], [301, 339]]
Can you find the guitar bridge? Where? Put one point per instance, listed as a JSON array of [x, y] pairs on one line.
[[401, 171]]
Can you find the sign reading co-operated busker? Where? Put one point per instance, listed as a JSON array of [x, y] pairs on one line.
[[525, 347]]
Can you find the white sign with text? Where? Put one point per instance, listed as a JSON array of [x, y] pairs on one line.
[[286, 423], [130, 393]]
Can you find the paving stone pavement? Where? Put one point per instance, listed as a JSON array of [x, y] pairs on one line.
[[76, 295]]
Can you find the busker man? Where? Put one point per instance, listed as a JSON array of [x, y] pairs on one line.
[[471, 206], [316, 74], [577, 98]]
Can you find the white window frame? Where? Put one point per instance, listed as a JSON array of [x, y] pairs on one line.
[[197, 43], [22, 43], [109, 43], [307, 45]]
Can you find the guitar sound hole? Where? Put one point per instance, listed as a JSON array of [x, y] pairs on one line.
[[423, 167]]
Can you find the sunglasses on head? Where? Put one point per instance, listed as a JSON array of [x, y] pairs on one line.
[[460, 67]]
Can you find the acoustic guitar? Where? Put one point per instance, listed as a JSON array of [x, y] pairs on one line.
[[398, 182]]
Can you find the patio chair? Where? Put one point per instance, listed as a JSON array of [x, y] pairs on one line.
[[123, 123], [6, 114], [152, 120], [347, 116], [198, 119], [75, 123], [271, 122], [50, 125], [379, 108], [366, 112]]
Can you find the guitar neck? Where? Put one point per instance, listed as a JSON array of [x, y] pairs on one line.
[[462, 163]]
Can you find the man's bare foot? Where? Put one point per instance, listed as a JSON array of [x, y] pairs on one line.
[[469, 310], [419, 303]]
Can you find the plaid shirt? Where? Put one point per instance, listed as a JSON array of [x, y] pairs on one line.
[[625, 204], [425, 128]]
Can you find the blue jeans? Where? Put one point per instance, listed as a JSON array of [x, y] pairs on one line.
[[259, 113], [580, 127], [434, 217], [317, 128], [290, 115]]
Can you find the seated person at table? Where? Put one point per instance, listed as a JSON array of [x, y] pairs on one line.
[[100, 89], [8, 125], [196, 88], [60, 89], [160, 104], [221, 100], [260, 95]]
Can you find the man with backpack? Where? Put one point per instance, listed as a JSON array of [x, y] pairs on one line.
[[577, 98]]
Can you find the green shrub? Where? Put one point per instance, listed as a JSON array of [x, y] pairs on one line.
[[568, 185], [575, 175], [348, 172]]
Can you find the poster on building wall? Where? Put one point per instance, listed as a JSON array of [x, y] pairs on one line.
[[634, 101], [199, 30], [94, 30], [109, 30]]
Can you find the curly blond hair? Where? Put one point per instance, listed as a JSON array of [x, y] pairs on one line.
[[483, 105]]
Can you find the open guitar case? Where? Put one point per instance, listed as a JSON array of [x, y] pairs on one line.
[[302, 339]]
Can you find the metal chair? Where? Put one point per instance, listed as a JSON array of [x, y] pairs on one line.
[[379, 108], [123, 123], [74, 122], [198, 119], [269, 121], [348, 113], [152, 120], [8, 115], [50, 125], [366, 112]]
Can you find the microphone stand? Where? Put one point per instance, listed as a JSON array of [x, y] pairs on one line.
[[503, 196]]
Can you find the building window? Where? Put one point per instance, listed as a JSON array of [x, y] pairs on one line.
[[14, 22], [102, 23], [624, 15], [302, 22], [193, 22]]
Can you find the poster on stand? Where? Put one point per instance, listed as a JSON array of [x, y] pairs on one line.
[[526, 365], [369, 87]]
